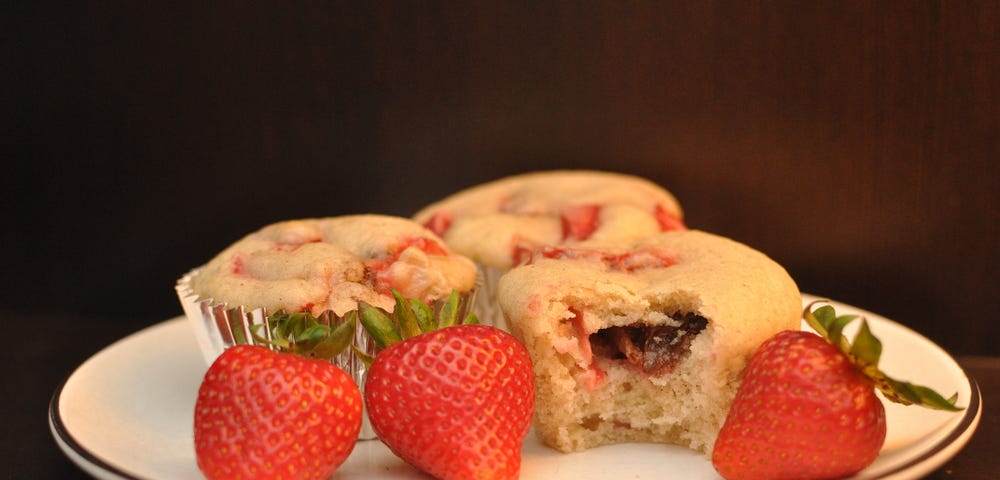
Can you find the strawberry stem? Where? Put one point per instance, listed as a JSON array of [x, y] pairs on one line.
[[424, 313], [411, 317], [449, 311], [305, 335], [378, 324], [408, 325], [865, 354], [328, 335]]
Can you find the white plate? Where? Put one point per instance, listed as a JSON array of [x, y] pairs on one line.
[[127, 413]]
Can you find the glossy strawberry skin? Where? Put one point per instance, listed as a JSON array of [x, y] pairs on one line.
[[261, 414], [456, 403], [802, 411]]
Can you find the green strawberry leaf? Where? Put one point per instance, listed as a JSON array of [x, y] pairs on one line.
[[836, 332], [305, 335], [295, 325], [378, 324], [404, 314], [311, 334], [327, 336], [920, 395], [336, 339], [820, 318], [365, 357], [425, 315], [236, 326], [867, 348], [865, 353], [275, 320], [448, 316], [409, 318], [280, 325], [471, 319]]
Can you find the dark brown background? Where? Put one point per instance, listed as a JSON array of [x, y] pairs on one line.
[[854, 142]]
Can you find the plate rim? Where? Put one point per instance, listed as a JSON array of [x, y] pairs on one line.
[[928, 460], [962, 430], [72, 448]]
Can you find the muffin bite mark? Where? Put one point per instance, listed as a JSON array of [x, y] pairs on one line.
[[651, 349], [590, 374]]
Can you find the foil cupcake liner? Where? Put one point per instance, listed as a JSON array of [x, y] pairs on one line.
[[487, 305], [218, 326]]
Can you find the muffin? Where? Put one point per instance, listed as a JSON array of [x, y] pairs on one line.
[[644, 343], [323, 266], [501, 223]]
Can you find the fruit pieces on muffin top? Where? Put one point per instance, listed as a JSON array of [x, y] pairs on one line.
[[324, 264], [500, 223]]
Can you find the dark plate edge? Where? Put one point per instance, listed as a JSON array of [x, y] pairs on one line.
[[972, 412], [59, 430]]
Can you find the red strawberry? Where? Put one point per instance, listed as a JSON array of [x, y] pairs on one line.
[[579, 221], [807, 407], [265, 414], [455, 402], [803, 411]]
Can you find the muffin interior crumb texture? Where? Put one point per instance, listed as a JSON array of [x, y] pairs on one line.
[[646, 378]]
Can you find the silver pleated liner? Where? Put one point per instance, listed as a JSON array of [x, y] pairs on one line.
[[218, 326], [487, 305]]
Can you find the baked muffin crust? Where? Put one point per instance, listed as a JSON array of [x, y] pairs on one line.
[[331, 263]]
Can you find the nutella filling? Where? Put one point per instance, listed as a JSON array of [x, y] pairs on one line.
[[653, 349]]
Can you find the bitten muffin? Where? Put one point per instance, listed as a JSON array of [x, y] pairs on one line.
[[501, 223], [645, 343]]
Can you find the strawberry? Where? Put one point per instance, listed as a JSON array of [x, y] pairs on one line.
[[807, 407], [452, 398], [579, 221], [262, 413]]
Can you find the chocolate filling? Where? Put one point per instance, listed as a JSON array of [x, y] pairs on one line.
[[653, 349]]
